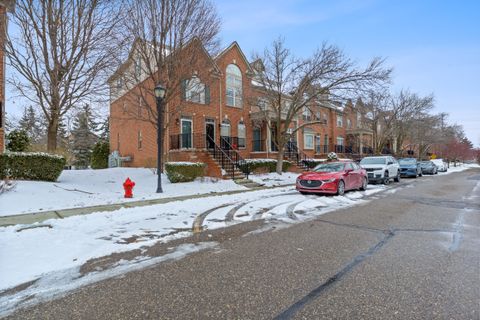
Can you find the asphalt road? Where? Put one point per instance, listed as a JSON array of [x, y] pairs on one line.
[[413, 253]]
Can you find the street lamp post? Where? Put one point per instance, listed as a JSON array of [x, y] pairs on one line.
[[159, 96]]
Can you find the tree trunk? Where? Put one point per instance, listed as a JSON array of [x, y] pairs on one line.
[[52, 132], [280, 153]]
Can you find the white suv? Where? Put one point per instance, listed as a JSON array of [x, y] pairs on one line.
[[381, 169]]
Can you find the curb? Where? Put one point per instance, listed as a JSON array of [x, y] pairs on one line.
[[29, 218]]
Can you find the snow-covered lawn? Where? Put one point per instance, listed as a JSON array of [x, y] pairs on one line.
[[274, 179], [460, 167], [65, 244], [80, 188]]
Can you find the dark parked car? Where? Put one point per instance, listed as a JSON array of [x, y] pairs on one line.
[[428, 167], [409, 167], [333, 178]]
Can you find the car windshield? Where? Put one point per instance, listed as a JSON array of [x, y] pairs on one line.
[[407, 161], [329, 167], [425, 163], [373, 161]]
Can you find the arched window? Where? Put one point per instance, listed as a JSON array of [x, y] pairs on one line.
[[242, 134], [234, 86]]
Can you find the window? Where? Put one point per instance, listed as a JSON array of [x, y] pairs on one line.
[[234, 86], [325, 118], [318, 142], [225, 129], [139, 140], [308, 139], [359, 119], [262, 104], [318, 116], [140, 103], [241, 135], [349, 123], [138, 67], [307, 114], [195, 91], [339, 121], [340, 141], [119, 83]]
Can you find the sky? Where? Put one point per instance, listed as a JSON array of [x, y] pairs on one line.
[[433, 46]]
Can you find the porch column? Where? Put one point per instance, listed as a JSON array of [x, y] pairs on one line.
[[361, 143], [268, 140]]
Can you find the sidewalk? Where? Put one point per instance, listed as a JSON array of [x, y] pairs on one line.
[[33, 217]]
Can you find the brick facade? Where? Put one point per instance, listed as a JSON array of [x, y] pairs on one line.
[[124, 129]]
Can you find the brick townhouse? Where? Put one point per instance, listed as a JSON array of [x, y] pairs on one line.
[[5, 6], [219, 107]]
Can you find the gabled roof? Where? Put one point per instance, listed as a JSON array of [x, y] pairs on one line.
[[129, 59], [231, 46]]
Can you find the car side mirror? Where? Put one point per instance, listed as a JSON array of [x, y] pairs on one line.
[[389, 162], [348, 170]]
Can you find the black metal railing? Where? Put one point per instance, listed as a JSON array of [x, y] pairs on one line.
[[293, 153], [339, 148], [258, 145], [188, 141], [367, 150], [228, 158]]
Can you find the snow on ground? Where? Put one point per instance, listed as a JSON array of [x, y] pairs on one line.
[[80, 188], [60, 244], [274, 179], [460, 167]]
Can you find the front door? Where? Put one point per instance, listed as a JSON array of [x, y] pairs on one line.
[[186, 137], [210, 134]]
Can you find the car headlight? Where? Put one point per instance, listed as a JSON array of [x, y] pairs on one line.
[[329, 180]]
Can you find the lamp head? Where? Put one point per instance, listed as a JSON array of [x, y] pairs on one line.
[[159, 91]]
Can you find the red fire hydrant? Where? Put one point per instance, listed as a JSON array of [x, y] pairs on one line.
[[128, 187]]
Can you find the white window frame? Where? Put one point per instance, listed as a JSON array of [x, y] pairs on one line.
[[340, 141], [191, 133], [195, 90], [339, 121], [224, 125], [234, 86], [306, 138], [241, 124]]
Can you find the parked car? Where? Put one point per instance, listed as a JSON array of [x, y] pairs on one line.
[[410, 167], [441, 165], [428, 167], [333, 178], [381, 169]]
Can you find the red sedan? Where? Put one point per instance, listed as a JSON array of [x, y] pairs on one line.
[[333, 178]]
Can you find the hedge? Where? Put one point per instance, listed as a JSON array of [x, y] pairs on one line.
[[31, 166], [184, 171], [270, 165]]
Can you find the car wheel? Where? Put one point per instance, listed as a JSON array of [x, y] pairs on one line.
[[397, 178], [364, 184], [386, 178], [341, 188]]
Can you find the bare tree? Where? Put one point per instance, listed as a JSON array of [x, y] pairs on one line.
[[169, 37], [61, 54], [291, 85]]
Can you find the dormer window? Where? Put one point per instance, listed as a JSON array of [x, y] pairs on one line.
[[234, 86]]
